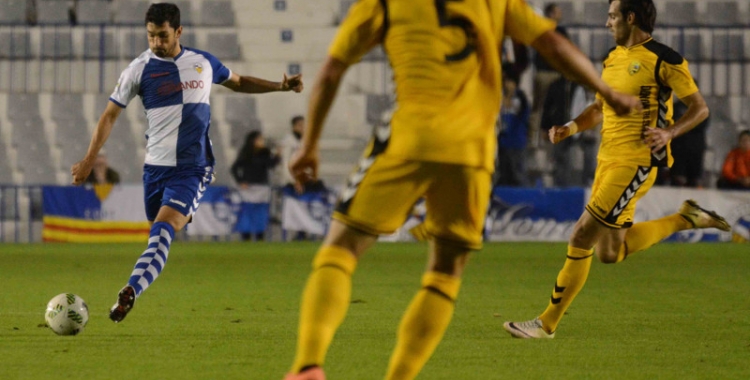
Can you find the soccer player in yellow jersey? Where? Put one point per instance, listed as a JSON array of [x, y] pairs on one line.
[[632, 149], [445, 55]]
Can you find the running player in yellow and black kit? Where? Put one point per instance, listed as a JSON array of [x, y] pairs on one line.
[[445, 55], [632, 149]]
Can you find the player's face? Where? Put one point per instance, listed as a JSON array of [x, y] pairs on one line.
[[617, 24], [163, 40]]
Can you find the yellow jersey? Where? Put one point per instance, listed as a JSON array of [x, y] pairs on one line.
[[651, 71], [445, 56]]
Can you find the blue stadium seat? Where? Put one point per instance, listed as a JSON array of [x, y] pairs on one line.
[[724, 13], [94, 47], [238, 108], [13, 12], [690, 45], [568, 12], [15, 44], [601, 43], [224, 46], [377, 105], [93, 12], [188, 39], [23, 107], [678, 13], [217, 13], [57, 44], [131, 12], [595, 13], [186, 11], [134, 43], [728, 47], [53, 12]]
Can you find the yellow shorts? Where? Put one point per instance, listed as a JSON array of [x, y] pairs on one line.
[[382, 191], [617, 188]]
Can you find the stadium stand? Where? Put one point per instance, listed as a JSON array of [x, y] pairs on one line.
[[724, 13], [595, 13], [93, 12], [132, 12], [99, 44], [57, 44], [52, 12], [15, 44], [12, 12], [217, 13], [679, 13]]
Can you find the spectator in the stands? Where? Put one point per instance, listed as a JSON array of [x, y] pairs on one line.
[[736, 170], [250, 171], [289, 145], [513, 132], [102, 174], [688, 151]]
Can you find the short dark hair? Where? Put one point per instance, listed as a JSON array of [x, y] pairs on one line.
[[746, 132], [549, 8], [643, 10], [297, 119], [159, 13]]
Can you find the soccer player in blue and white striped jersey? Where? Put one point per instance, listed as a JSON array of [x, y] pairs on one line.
[[174, 84]]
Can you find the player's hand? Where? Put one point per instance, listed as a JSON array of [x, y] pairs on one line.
[[81, 170], [623, 104], [293, 83], [304, 167], [558, 133], [745, 181], [656, 138]]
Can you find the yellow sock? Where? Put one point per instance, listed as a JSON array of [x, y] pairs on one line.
[[325, 301], [423, 325], [645, 234], [569, 282]]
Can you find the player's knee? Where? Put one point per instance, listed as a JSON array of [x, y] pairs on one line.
[[448, 259], [606, 256]]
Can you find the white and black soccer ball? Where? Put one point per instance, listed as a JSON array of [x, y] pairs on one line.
[[67, 314]]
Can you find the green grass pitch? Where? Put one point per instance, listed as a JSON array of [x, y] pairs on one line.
[[229, 311]]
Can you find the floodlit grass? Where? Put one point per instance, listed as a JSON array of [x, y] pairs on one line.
[[229, 311]]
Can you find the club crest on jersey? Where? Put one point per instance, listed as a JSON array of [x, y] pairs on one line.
[[634, 67], [198, 67]]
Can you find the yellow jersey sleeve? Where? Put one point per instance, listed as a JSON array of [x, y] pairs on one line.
[[361, 30], [678, 78], [523, 24]]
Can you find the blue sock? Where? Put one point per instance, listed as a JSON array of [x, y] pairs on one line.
[[152, 261]]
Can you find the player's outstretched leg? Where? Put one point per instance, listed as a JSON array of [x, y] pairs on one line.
[[690, 215], [325, 302], [146, 269]]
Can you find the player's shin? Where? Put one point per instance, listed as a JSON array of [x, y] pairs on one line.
[[325, 301], [569, 282], [154, 258], [423, 325]]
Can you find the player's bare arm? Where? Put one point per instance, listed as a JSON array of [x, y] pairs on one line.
[[589, 118], [697, 111], [253, 85], [568, 59], [304, 163], [81, 170]]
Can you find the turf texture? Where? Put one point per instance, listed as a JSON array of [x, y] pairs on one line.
[[229, 311]]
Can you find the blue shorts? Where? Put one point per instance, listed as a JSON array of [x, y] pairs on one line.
[[180, 187]]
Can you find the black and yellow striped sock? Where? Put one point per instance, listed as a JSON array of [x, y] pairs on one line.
[[569, 282], [423, 325], [325, 302]]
